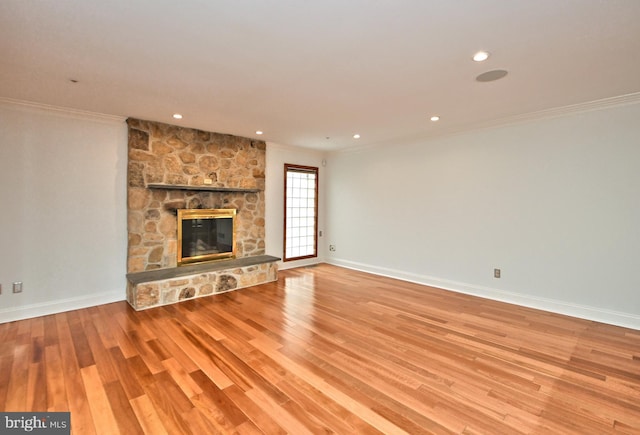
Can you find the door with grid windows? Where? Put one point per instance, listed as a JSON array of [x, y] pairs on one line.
[[300, 212]]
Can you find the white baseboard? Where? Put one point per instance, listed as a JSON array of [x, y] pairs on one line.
[[284, 265], [59, 306], [617, 318]]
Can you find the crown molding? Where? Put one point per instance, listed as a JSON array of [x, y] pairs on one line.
[[284, 147], [556, 112], [63, 111]]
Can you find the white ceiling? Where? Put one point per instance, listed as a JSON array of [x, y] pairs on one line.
[[305, 71]]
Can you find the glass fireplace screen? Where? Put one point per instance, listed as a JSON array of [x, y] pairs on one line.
[[206, 235]]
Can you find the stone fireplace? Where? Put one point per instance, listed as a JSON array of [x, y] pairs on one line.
[[171, 168]]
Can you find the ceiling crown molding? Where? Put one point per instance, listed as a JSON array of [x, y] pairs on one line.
[[621, 100], [63, 111], [556, 112]]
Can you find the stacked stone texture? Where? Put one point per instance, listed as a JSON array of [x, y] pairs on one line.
[[172, 290], [168, 154]]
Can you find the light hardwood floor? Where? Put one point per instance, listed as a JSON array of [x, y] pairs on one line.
[[323, 350]]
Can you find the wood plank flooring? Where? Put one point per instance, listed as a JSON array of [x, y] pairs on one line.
[[324, 350]]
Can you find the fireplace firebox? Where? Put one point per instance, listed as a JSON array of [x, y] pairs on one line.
[[206, 235]]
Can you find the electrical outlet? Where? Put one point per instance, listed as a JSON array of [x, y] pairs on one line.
[[17, 287], [496, 273], [332, 248]]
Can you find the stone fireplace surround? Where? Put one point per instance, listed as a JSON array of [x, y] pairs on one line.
[[170, 168]]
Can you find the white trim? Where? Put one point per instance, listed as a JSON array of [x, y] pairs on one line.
[[55, 307], [556, 112], [617, 318], [296, 148], [279, 146], [604, 103], [284, 265], [63, 111]]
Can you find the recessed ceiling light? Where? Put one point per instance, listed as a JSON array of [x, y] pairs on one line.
[[435, 118], [481, 56], [259, 132], [356, 136], [177, 116]]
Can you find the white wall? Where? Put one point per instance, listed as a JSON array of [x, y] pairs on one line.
[[277, 156], [554, 203], [62, 210]]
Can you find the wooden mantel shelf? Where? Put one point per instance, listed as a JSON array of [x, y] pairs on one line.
[[201, 188]]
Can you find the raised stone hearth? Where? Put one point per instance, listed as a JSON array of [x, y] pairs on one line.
[[170, 168], [167, 286]]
